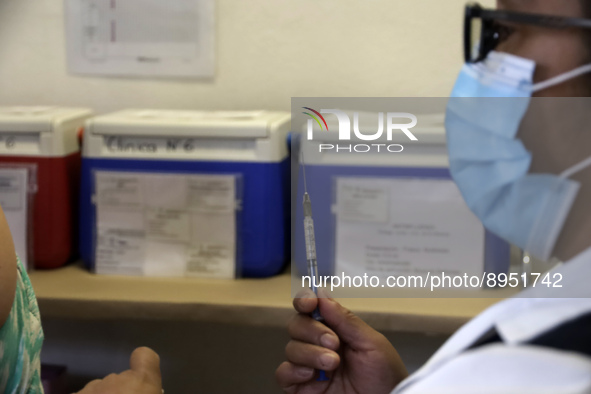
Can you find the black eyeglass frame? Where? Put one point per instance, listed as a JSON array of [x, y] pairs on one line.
[[488, 40]]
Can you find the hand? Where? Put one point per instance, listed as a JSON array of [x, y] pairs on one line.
[[357, 358], [143, 377]]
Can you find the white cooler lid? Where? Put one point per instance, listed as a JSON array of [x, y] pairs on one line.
[[224, 124], [37, 119]]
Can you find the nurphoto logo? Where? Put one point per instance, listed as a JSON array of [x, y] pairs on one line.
[[390, 122]]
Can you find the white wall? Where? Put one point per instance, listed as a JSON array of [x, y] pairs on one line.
[[267, 52]]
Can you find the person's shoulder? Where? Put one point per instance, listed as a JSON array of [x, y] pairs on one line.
[[501, 368], [8, 270]]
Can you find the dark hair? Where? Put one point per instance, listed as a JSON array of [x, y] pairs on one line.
[[586, 8], [586, 5]]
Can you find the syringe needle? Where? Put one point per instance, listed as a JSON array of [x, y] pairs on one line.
[[304, 170]]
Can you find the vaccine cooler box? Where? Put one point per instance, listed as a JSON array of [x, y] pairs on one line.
[[426, 159], [250, 144], [48, 138]]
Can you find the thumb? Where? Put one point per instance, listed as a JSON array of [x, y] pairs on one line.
[[348, 326], [146, 362]]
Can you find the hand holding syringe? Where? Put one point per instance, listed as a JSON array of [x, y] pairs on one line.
[[361, 360]]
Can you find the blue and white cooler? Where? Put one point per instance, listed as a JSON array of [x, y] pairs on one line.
[[186, 193], [389, 212]]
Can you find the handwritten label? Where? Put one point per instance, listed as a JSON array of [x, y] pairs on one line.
[[18, 143], [363, 201], [158, 146]]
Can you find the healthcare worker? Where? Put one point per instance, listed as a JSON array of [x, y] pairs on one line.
[[531, 186]]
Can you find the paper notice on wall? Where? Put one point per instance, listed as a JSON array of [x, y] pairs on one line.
[[14, 201], [173, 38], [389, 227], [166, 224]]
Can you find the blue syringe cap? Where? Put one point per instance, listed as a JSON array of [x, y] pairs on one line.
[[322, 376]]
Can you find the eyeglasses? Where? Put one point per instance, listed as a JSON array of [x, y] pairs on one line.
[[483, 32]]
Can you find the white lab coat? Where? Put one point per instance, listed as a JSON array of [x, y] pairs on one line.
[[513, 366]]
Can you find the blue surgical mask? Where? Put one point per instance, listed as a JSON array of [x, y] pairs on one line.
[[491, 166]]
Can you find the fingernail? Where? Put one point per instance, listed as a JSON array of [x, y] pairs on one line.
[[329, 341], [328, 360], [305, 372]]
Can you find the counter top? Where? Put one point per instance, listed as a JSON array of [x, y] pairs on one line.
[[74, 293]]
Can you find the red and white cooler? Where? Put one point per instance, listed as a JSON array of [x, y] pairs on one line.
[[47, 138]]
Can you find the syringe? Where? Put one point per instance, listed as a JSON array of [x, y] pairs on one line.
[[311, 251], [311, 260]]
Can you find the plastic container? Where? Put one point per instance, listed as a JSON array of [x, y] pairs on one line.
[[426, 159], [48, 137], [252, 145]]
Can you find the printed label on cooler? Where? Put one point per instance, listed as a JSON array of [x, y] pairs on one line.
[[14, 201], [156, 224]]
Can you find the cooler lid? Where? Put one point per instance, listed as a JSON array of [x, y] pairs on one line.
[[36, 119], [225, 124], [430, 128]]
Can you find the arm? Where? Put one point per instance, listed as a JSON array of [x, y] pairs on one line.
[[8, 270]]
